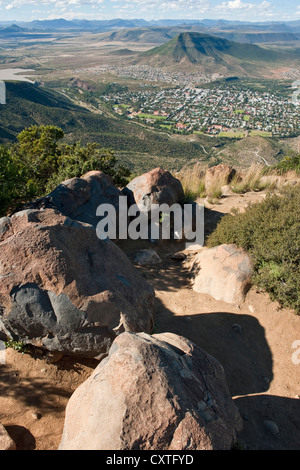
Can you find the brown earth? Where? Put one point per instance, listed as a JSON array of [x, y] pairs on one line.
[[253, 341]]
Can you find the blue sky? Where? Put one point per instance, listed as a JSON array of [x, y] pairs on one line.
[[249, 10]]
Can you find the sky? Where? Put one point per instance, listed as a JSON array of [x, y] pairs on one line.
[[241, 10]]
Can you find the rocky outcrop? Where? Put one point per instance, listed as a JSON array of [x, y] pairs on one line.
[[159, 392], [63, 289], [218, 176], [224, 272], [157, 186], [79, 198]]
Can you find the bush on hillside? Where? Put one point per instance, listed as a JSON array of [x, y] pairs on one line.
[[76, 160], [12, 179], [288, 163], [270, 232], [39, 161]]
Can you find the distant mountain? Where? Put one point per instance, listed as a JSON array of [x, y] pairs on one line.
[[210, 52], [103, 25], [51, 24], [12, 31], [13, 28], [194, 46], [85, 25], [154, 35], [161, 35], [118, 23], [259, 37]]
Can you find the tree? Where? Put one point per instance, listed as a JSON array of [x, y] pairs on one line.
[[7, 175], [76, 160], [39, 161], [38, 149]]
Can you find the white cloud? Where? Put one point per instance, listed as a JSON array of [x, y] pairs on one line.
[[170, 7], [237, 9], [148, 9], [39, 3], [239, 5], [10, 6]]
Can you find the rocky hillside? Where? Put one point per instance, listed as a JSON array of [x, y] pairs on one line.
[[138, 344]]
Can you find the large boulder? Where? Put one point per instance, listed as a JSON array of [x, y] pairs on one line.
[[63, 289], [79, 198], [159, 392], [224, 272], [157, 186]]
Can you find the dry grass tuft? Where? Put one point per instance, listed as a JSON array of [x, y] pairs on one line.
[[192, 180], [256, 178]]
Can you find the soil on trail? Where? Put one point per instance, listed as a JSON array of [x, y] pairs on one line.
[[253, 341]]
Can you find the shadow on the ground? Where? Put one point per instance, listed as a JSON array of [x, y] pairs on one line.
[[236, 340], [23, 438], [33, 392], [270, 422], [211, 220], [239, 343]]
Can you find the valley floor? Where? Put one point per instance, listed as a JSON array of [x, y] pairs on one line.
[[253, 341]]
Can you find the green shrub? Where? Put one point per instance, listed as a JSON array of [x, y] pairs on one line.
[[39, 161], [270, 232], [19, 346], [288, 163], [12, 179], [76, 160]]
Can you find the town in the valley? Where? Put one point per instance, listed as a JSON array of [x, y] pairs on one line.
[[221, 109]]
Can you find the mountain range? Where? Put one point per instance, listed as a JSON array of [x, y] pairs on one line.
[[115, 24], [156, 32], [162, 34]]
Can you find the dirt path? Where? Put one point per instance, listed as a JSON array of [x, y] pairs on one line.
[[253, 342]]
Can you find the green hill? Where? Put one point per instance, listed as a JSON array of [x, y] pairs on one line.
[[157, 35], [202, 49], [196, 45], [28, 104]]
